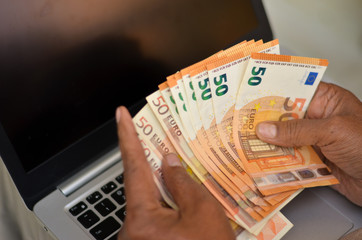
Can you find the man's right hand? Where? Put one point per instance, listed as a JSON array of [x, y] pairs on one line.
[[333, 125]]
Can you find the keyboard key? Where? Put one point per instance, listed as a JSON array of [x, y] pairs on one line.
[[121, 213], [109, 187], [78, 208], [105, 207], [105, 228], [120, 178], [88, 219], [119, 196], [94, 197]]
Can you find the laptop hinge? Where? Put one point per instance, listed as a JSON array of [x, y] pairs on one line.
[[90, 172]]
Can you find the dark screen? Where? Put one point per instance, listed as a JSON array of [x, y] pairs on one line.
[[53, 95]]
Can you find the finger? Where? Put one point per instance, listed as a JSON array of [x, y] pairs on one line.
[[141, 191], [187, 193], [331, 100], [297, 132]]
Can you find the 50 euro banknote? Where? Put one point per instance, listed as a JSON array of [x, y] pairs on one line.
[[278, 88]]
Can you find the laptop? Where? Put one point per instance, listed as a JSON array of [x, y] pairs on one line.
[[58, 134]]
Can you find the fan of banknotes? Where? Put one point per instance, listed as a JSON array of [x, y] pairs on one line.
[[207, 114]]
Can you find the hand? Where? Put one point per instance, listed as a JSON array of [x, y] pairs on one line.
[[333, 125], [199, 216]]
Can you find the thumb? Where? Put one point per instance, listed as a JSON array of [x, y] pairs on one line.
[[186, 192], [294, 133]]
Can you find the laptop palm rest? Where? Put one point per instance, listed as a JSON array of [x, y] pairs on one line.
[[313, 218]]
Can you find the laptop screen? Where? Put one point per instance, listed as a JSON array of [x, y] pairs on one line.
[[56, 91]]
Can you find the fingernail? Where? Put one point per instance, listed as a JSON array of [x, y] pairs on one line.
[[118, 114], [267, 130], [173, 161]]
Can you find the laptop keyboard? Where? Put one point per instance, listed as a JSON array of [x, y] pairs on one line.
[[102, 213]]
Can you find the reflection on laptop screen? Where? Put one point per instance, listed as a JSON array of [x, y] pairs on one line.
[[49, 103]]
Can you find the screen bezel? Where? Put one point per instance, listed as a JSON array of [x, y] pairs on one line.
[[37, 183]]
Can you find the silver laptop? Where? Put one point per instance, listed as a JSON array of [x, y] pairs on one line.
[[58, 134]]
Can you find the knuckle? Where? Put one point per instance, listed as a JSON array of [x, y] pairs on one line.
[[335, 129], [291, 133], [335, 124]]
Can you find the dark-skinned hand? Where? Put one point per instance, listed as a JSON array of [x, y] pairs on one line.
[[333, 125], [199, 216]]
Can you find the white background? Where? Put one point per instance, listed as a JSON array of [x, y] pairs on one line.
[[330, 29]]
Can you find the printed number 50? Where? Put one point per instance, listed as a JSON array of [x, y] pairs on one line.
[[222, 88], [256, 80]]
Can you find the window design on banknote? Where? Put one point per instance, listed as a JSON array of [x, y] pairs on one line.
[[267, 155]]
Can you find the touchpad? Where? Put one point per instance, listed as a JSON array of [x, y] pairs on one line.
[[313, 218]]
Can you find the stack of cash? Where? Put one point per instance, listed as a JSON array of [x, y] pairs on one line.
[[207, 114]]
